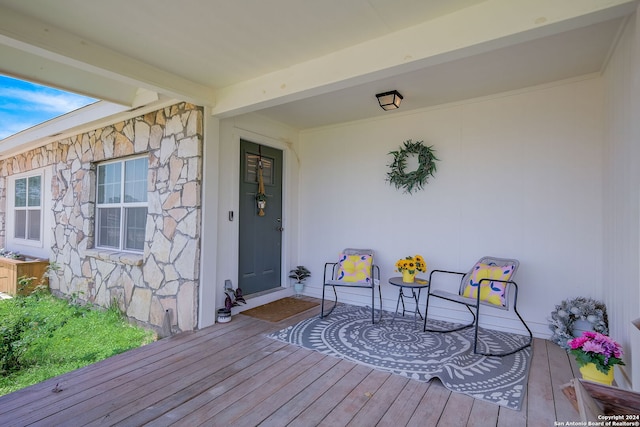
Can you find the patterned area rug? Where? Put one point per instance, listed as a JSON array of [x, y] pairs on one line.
[[400, 349]]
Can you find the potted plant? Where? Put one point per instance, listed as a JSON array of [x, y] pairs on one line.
[[300, 274], [596, 355], [410, 266]]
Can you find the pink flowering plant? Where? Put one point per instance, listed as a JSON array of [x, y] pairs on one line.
[[596, 348]]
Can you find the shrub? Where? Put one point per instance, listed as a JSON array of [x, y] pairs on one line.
[[11, 330], [43, 336]]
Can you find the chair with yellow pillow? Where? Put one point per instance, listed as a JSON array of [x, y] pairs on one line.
[[494, 278], [355, 269]]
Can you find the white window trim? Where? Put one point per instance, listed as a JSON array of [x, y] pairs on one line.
[[10, 230], [122, 205]]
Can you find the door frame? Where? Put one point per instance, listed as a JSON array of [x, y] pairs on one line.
[[220, 196], [285, 288], [258, 270]]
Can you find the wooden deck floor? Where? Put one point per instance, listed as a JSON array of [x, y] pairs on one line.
[[232, 375]]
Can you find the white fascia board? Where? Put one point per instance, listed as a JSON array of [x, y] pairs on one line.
[[477, 29], [91, 117]]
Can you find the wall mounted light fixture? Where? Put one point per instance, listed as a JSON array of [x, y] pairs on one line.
[[389, 100]]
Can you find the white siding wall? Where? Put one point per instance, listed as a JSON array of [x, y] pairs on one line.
[[520, 176], [621, 280]]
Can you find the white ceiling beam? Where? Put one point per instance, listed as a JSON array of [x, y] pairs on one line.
[[486, 26], [54, 49], [36, 69], [53, 56]]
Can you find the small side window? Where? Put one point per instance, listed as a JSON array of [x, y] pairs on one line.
[[27, 208]]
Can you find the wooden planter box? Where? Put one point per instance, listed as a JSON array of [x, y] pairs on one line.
[[593, 400], [12, 269]]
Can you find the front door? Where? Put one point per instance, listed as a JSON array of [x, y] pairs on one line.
[[260, 235]]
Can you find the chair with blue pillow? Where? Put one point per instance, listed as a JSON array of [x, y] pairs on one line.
[[487, 284], [355, 269]]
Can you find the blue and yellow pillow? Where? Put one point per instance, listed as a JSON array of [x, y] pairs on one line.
[[354, 268], [491, 292]]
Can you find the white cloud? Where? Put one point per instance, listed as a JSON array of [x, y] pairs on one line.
[[45, 100], [9, 128], [24, 105]]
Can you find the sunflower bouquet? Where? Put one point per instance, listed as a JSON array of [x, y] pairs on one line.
[[411, 264]]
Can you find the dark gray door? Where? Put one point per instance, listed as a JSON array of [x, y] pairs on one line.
[[260, 236]]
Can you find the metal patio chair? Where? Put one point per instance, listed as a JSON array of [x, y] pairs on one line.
[[487, 284], [355, 269]]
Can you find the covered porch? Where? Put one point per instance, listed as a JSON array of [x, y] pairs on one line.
[[531, 115], [231, 374]]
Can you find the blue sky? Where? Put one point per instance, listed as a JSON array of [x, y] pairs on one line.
[[24, 104]]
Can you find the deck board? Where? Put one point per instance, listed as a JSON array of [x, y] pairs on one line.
[[404, 406], [139, 414], [312, 381], [483, 414], [230, 394], [91, 381], [561, 373], [309, 407], [431, 406], [510, 418], [295, 378], [232, 374], [541, 408], [158, 378], [456, 411], [344, 412], [179, 388], [379, 403]]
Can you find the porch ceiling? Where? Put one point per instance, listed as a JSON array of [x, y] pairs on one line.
[[304, 63]]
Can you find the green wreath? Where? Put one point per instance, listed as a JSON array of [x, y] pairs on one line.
[[561, 322], [414, 180]]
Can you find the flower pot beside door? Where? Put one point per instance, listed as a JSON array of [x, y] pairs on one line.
[[300, 274], [224, 315]]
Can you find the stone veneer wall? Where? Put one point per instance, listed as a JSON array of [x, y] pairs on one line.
[[165, 278]]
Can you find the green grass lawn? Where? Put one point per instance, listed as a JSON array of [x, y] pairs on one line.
[[42, 336]]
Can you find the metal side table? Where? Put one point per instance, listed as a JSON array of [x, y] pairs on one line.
[[419, 284]]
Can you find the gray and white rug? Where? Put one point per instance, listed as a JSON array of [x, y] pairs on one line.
[[401, 349]]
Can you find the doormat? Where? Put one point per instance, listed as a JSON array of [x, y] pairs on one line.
[[401, 349], [281, 309]]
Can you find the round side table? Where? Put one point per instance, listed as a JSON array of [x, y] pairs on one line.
[[418, 285]]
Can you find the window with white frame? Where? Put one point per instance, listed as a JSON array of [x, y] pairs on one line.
[[27, 208], [121, 204]]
